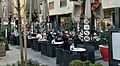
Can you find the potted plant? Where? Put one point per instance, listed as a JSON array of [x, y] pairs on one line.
[[96, 64], [2, 47], [103, 46], [30, 62], [76, 63]]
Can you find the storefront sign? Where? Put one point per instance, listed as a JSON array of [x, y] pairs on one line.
[[116, 45]]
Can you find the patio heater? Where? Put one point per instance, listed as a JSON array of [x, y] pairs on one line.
[[9, 23]]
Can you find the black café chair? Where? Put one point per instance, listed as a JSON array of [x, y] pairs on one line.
[[51, 51], [69, 56], [28, 43], [66, 57], [90, 56], [43, 48], [59, 56], [39, 45], [34, 46], [75, 56]]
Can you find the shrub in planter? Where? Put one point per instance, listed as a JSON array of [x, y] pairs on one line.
[[86, 63], [6, 45], [104, 38], [76, 63], [103, 46], [2, 47], [81, 63], [4, 40], [33, 63], [30, 62], [96, 64]]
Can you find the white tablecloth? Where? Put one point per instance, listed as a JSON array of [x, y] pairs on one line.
[[53, 42], [78, 49]]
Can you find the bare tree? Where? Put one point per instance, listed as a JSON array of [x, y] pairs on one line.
[[24, 25], [18, 8]]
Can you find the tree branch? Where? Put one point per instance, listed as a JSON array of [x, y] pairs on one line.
[[22, 7], [13, 4]]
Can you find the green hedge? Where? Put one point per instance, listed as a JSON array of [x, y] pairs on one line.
[[2, 39], [30, 62], [81, 63]]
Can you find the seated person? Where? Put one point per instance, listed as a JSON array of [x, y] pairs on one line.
[[49, 37], [33, 35], [58, 38], [76, 40], [38, 36]]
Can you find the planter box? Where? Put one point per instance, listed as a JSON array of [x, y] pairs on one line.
[[43, 48], [2, 50], [104, 50], [51, 51]]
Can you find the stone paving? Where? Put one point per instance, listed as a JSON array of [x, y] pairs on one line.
[[13, 56]]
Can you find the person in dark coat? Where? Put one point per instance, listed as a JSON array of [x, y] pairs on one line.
[[65, 40], [49, 37], [76, 40]]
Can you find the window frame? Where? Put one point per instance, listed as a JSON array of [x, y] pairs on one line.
[[63, 3]]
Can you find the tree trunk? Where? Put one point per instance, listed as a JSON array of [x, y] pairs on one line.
[[25, 41], [19, 29]]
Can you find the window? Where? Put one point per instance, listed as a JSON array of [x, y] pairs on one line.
[[65, 23], [51, 5], [63, 3]]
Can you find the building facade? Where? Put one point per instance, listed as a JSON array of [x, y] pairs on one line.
[[111, 11], [58, 7], [5, 11], [60, 12]]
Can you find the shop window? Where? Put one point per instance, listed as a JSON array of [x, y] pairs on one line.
[[51, 5], [66, 23], [63, 3]]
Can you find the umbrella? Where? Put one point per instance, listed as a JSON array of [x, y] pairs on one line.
[[97, 9]]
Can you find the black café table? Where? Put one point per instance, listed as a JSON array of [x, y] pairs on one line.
[[33, 43], [36, 45], [86, 53], [30, 41], [57, 44], [81, 52], [51, 48]]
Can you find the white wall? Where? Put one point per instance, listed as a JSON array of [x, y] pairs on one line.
[[61, 10], [110, 3]]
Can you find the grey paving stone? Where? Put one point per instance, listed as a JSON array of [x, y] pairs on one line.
[[13, 56]]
